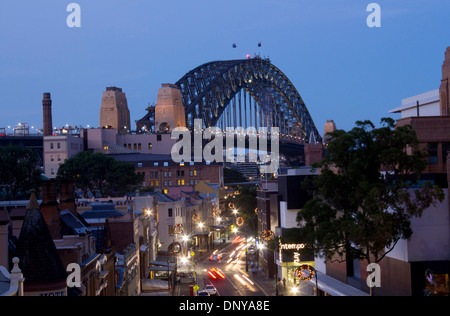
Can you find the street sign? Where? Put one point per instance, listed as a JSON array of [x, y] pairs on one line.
[[192, 254], [196, 288]]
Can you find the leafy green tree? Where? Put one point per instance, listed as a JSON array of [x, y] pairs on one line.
[[19, 171], [367, 192], [97, 172], [246, 204]]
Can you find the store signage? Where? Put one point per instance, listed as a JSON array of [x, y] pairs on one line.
[[292, 246], [297, 250]]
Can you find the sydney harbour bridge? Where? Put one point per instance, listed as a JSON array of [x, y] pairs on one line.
[[248, 93]]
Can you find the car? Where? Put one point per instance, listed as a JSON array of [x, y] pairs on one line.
[[211, 289], [203, 293], [216, 274]]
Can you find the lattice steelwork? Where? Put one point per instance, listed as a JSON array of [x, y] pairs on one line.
[[217, 92]]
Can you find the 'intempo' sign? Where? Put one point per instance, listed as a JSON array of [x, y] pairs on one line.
[[292, 246]]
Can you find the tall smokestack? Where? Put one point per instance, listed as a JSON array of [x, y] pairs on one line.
[[444, 92], [47, 110]]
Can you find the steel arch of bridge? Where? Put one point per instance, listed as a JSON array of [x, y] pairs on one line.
[[208, 89]]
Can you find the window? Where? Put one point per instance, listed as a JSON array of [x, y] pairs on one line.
[[170, 183], [59, 158], [165, 174], [191, 182], [149, 145], [170, 174], [166, 191], [139, 146], [156, 174], [134, 146], [182, 182], [58, 145], [182, 173], [433, 153], [152, 183], [170, 212], [170, 230], [52, 171], [195, 173], [166, 164], [51, 158], [196, 181], [151, 174], [139, 164], [191, 173], [156, 183], [165, 183], [51, 145], [158, 138], [178, 173]]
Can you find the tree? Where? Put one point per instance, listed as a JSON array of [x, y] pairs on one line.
[[233, 176], [366, 192], [100, 173], [246, 204], [19, 171]]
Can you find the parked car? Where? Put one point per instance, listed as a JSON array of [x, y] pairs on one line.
[[211, 289]]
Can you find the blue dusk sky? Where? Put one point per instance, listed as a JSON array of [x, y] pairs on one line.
[[344, 70]]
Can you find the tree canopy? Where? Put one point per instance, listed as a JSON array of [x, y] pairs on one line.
[[101, 174], [366, 192], [19, 171]]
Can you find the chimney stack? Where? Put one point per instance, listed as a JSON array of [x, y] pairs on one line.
[[67, 199], [444, 89], [50, 208], [47, 110]]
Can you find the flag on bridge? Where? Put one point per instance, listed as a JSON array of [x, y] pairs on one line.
[[234, 45], [259, 44]]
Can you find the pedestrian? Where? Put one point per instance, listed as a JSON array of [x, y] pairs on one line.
[[284, 283]]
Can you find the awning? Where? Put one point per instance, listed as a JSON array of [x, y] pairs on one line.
[[334, 287], [158, 269], [149, 285], [162, 264]]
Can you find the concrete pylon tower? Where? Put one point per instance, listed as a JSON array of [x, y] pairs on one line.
[[330, 126], [47, 111], [169, 110], [114, 112], [444, 89]]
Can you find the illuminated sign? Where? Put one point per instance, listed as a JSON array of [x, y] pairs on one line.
[[292, 246], [296, 247]]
